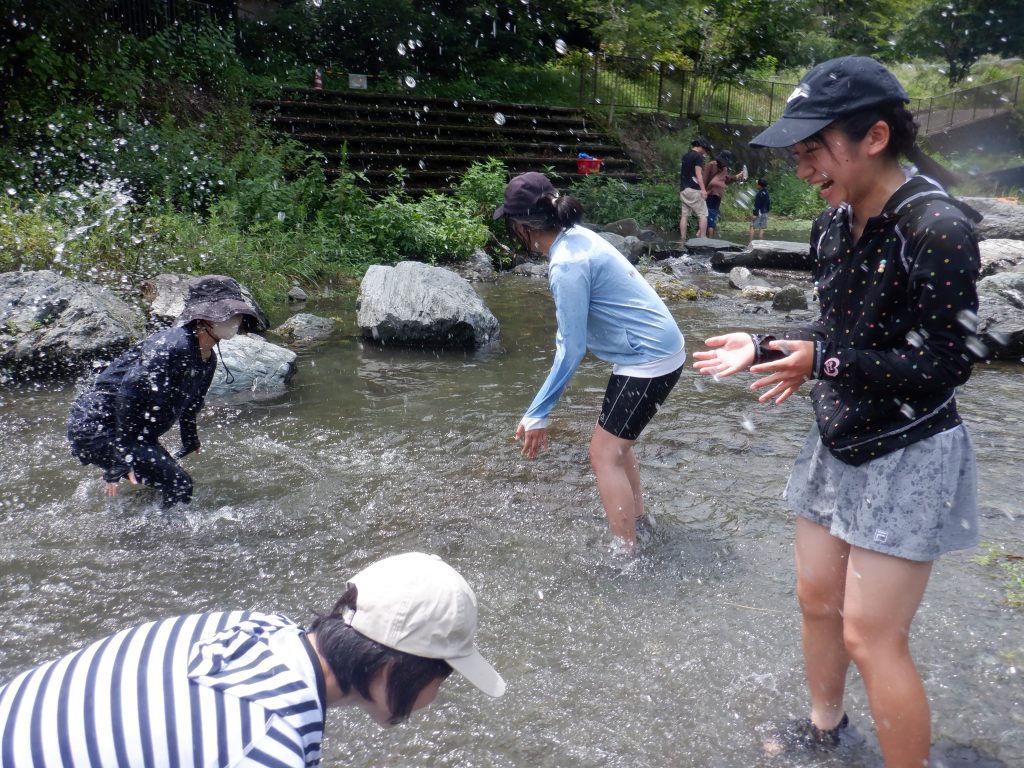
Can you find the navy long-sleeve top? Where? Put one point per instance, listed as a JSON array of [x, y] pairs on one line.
[[140, 396]]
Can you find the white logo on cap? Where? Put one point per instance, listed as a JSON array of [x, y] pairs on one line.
[[801, 91]]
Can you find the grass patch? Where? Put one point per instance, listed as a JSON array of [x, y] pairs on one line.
[[1012, 567]]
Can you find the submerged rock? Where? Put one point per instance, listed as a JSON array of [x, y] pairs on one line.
[[416, 304], [671, 288], [165, 296], [305, 327], [789, 298], [52, 325], [710, 246], [255, 366]]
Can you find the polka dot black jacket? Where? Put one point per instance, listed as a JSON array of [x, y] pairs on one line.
[[897, 325]]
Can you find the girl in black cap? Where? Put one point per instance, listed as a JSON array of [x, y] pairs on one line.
[[886, 481], [117, 422]]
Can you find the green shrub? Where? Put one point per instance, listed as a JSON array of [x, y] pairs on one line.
[[606, 199]]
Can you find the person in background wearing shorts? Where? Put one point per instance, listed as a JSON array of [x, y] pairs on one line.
[[886, 481], [762, 204], [602, 304], [242, 689], [692, 193], [716, 176]]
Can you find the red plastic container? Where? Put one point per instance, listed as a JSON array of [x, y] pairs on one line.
[[587, 165]]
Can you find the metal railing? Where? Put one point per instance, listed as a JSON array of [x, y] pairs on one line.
[[625, 84], [143, 18]]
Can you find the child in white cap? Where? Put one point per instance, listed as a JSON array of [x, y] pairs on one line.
[[243, 688]]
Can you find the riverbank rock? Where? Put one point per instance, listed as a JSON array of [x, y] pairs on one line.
[[531, 269], [631, 247], [416, 304], [741, 278], [766, 254], [1001, 315], [710, 246], [165, 296], [51, 325], [305, 327], [1001, 256], [478, 268], [671, 288], [296, 295], [256, 366], [1001, 220], [681, 265], [623, 227], [789, 298], [757, 292]]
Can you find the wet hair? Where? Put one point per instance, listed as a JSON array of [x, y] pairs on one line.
[[902, 137], [355, 660], [553, 212]]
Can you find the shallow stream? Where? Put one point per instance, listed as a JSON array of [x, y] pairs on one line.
[[678, 658]]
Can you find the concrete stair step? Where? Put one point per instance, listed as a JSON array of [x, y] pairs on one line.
[[468, 105], [425, 128], [479, 148]]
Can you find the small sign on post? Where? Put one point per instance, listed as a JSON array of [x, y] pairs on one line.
[[357, 81]]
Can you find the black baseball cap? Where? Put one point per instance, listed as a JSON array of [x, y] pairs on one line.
[[523, 193], [831, 90]]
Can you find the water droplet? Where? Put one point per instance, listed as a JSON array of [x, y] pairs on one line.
[[401, 49], [560, 47], [748, 424], [968, 319], [977, 347], [281, 216], [499, 118], [915, 339], [410, 81]]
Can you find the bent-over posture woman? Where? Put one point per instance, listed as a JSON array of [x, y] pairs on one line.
[[886, 481], [602, 304]]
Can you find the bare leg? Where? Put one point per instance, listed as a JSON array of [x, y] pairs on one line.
[[821, 568], [702, 226], [882, 596], [684, 222], [618, 482]]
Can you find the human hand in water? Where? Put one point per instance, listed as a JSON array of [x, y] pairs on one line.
[[534, 440], [786, 375], [732, 353], [111, 489]]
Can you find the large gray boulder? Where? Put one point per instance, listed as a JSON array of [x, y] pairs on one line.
[[623, 227], [629, 246], [766, 254], [1001, 220], [256, 366], [478, 268], [416, 304], [165, 296], [1001, 256], [51, 325], [1001, 315]]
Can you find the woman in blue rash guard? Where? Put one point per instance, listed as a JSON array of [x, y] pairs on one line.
[[602, 304]]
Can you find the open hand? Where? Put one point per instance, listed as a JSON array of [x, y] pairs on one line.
[[534, 440], [732, 353], [786, 375]]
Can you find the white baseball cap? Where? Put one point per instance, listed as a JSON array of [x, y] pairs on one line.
[[418, 604]]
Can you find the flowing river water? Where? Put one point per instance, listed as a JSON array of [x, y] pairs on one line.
[[678, 658]]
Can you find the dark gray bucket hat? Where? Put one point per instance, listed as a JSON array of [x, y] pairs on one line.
[[216, 298]]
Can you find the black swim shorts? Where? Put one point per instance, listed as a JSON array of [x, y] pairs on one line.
[[630, 402]]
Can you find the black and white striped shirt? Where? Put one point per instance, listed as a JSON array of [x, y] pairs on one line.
[[215, 689]]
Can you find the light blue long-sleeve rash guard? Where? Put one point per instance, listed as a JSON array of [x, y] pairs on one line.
[[602, 304]]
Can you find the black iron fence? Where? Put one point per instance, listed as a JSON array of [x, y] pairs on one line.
[[624, 84], [143, 18]]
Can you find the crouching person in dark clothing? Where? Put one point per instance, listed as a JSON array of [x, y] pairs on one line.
[[117, 423]]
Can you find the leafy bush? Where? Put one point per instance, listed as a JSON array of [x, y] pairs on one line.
[[605, 199]]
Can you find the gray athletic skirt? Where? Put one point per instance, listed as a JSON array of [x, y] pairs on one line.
[[916, 503]]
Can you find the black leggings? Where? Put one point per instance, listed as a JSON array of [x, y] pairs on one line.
[[154, 466]]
